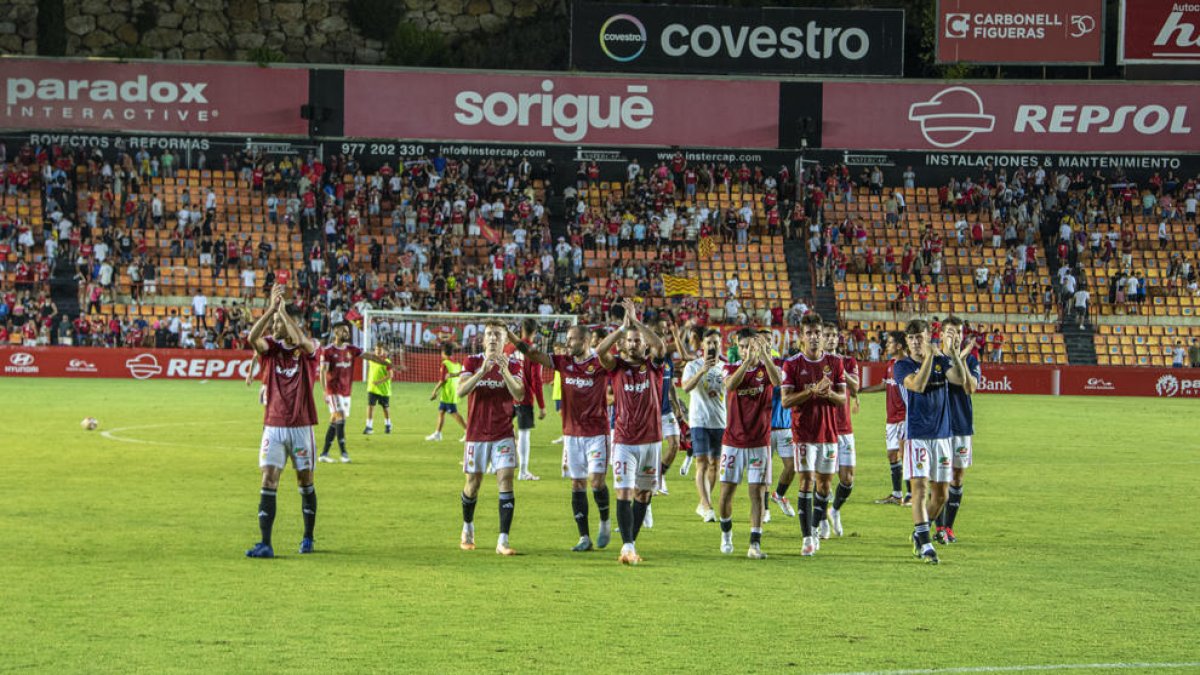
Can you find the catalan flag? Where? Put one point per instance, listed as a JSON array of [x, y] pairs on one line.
[[673, 285], [707, 248]]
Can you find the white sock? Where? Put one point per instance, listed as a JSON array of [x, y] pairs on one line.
[[469, 528], [503, 540], [523, 449], [370, 424]]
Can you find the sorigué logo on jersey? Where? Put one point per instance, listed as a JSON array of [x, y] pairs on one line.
[[623, 38]]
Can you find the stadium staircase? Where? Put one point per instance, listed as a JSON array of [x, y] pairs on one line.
[[64, 290], [822, 300], [1081, 344]]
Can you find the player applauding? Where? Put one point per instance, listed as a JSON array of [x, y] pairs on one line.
[[846, 450], [492, 382], [584, 426], [814, 388], [337, 379], [288, 358], [925, 375], [893, 429], [746, 444], [962, 424], [636, 379]]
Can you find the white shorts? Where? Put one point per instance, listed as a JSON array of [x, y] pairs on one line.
[[894, 435], [782, 444], [818, 457], [501, 454], [670, 427], [636, 466], [279, 443], [751, 465], [962, 452], [927, 458], [584, 455], [338, 404], [846, 452]]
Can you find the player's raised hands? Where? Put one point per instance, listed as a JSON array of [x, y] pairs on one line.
[[824, 386], [277, 292]]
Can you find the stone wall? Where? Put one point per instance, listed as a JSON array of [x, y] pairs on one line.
[[18, 27], [316, 31]]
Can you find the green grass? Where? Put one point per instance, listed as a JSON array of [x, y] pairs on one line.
[[1078, 545]]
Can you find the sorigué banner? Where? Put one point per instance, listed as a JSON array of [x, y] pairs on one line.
[[559, 109]]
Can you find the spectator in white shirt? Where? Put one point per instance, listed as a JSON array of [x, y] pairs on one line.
[[200, 308], [1082, 297], [249, 279]]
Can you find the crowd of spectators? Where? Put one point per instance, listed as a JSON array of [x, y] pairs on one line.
[[435, 233]]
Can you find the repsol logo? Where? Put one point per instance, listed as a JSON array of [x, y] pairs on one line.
[[138, 90], [1081, 119], [569, 116]]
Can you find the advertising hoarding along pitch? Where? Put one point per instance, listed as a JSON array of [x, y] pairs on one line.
[[47, 95], [502, 107], [730, 40], [1021, 32], [1159, 31], [1018, 117]]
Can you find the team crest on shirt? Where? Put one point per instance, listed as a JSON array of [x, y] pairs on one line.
[[590, 370], [642, 370], [759, 376], [826, 371]]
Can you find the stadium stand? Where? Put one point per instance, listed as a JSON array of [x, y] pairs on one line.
[[707, 241]]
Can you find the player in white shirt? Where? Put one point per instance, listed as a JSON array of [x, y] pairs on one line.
[[704, 382]]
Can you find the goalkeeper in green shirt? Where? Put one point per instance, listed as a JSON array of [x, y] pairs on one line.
[[446, 393], [379, 389]]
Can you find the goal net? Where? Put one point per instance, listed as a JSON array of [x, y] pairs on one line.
[[416, 339]]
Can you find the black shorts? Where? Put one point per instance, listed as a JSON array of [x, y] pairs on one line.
[[378, 399], [524, 415]]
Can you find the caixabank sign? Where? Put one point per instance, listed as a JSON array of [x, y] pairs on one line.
[[727, 40]]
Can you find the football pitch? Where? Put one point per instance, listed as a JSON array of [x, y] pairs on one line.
[[122, 550]]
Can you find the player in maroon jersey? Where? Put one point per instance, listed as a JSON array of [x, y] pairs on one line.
[[289, 359], [894, 424], [846, 450], [532, 378], [746, 444], [636, 378], [492, 382], [337, 381], [584, 427], [814, 388]]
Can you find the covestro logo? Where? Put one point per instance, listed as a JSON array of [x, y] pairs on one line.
[[623, 38]]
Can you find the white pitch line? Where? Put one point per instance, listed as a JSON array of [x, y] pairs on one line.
[[111, 434], [1027, 669]]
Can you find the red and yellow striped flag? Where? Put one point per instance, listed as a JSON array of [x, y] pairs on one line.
[[673, 285]]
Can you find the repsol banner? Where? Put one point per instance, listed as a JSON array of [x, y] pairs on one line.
[[635, 38], [1051, 117], [151, 97], [138, 364]]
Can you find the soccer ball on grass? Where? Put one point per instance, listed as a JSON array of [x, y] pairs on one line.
[[89, 423]]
